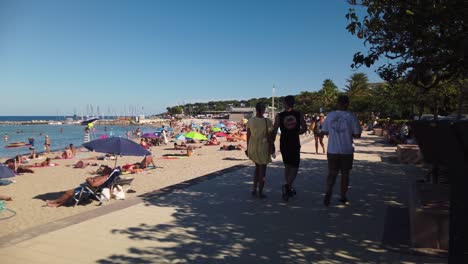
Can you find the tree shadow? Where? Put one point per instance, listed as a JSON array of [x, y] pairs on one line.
[[219, 222]]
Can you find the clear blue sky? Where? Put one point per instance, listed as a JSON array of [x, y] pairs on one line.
[[58, 56]]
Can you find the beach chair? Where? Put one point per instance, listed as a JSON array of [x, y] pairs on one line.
[[88, 191]]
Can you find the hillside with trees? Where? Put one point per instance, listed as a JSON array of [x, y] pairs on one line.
[[398, 99]]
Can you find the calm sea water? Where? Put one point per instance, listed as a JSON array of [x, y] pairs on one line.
[[30, 118], [59, 139]]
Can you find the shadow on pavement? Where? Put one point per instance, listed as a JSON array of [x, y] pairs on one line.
[[219, 222]]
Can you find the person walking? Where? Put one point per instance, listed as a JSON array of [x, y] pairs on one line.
[[259, 147], [47, 144], [292, 124], [341, 126], [318, 136]]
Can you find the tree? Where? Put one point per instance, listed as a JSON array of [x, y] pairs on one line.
[[308, 102], [175, 110], [358, 85], [328, 95], [359, 93], [425, 42], [424, 37]]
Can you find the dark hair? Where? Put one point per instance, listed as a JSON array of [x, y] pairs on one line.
[[343, 99], [260, 107], [106, 170], [289, 100]]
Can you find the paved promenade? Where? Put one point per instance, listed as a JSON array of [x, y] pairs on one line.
[[216, 220]]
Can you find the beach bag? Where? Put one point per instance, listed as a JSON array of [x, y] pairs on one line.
[[118, 192], [105, 194]]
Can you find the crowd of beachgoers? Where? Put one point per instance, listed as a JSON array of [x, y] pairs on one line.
[[181, 150]]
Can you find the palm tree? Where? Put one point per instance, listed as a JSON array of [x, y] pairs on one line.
[[328, 94], [358, 86]]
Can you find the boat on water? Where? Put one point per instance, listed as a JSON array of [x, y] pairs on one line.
[[18, 145]]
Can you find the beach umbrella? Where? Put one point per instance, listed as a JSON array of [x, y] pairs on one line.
[[195, 135], [220, 125], [206, 123], [117, 146], [149, 135], [6, 172], [216, 129], [220, 134], [180, 137]]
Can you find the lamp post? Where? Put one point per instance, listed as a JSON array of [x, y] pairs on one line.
[[273, 103]]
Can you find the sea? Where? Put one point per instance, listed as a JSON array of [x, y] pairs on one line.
[[60, 135]]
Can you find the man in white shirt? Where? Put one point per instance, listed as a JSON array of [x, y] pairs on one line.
[[341, 126]]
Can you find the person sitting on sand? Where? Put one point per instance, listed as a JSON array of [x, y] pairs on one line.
[[33, 154], [94, 182], [213, 141], [14, 166], [232, 147], [66, 154], [144, 144], [72, 149]]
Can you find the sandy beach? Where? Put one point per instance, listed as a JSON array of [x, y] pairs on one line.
[[31, 190]]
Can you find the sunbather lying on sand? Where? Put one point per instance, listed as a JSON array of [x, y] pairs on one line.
[[182, 146], [5, 198], [139, 166], [67, 195], [45, 163], [81, 164], [232, 147]]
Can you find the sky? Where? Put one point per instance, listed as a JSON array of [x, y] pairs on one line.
[[57, 57]]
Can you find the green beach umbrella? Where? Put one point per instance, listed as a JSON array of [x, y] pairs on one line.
[[195, 135], [216, 129]]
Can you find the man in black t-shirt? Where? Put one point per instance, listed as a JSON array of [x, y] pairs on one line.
[[292, 124]]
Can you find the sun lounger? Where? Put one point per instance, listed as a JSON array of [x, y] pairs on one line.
[[87, 191]]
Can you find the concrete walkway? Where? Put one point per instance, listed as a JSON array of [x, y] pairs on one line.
[[218, 221]]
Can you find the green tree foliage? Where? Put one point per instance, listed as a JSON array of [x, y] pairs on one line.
[[424, 43], [175, 110], [328, 95], [413, 35], [359, 92], [308, 102]]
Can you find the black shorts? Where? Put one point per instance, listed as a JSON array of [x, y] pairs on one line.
[[291, 156], [340, 161]]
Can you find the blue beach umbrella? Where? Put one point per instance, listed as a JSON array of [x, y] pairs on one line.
[[117, 146], [220, 125], [6, 172]]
